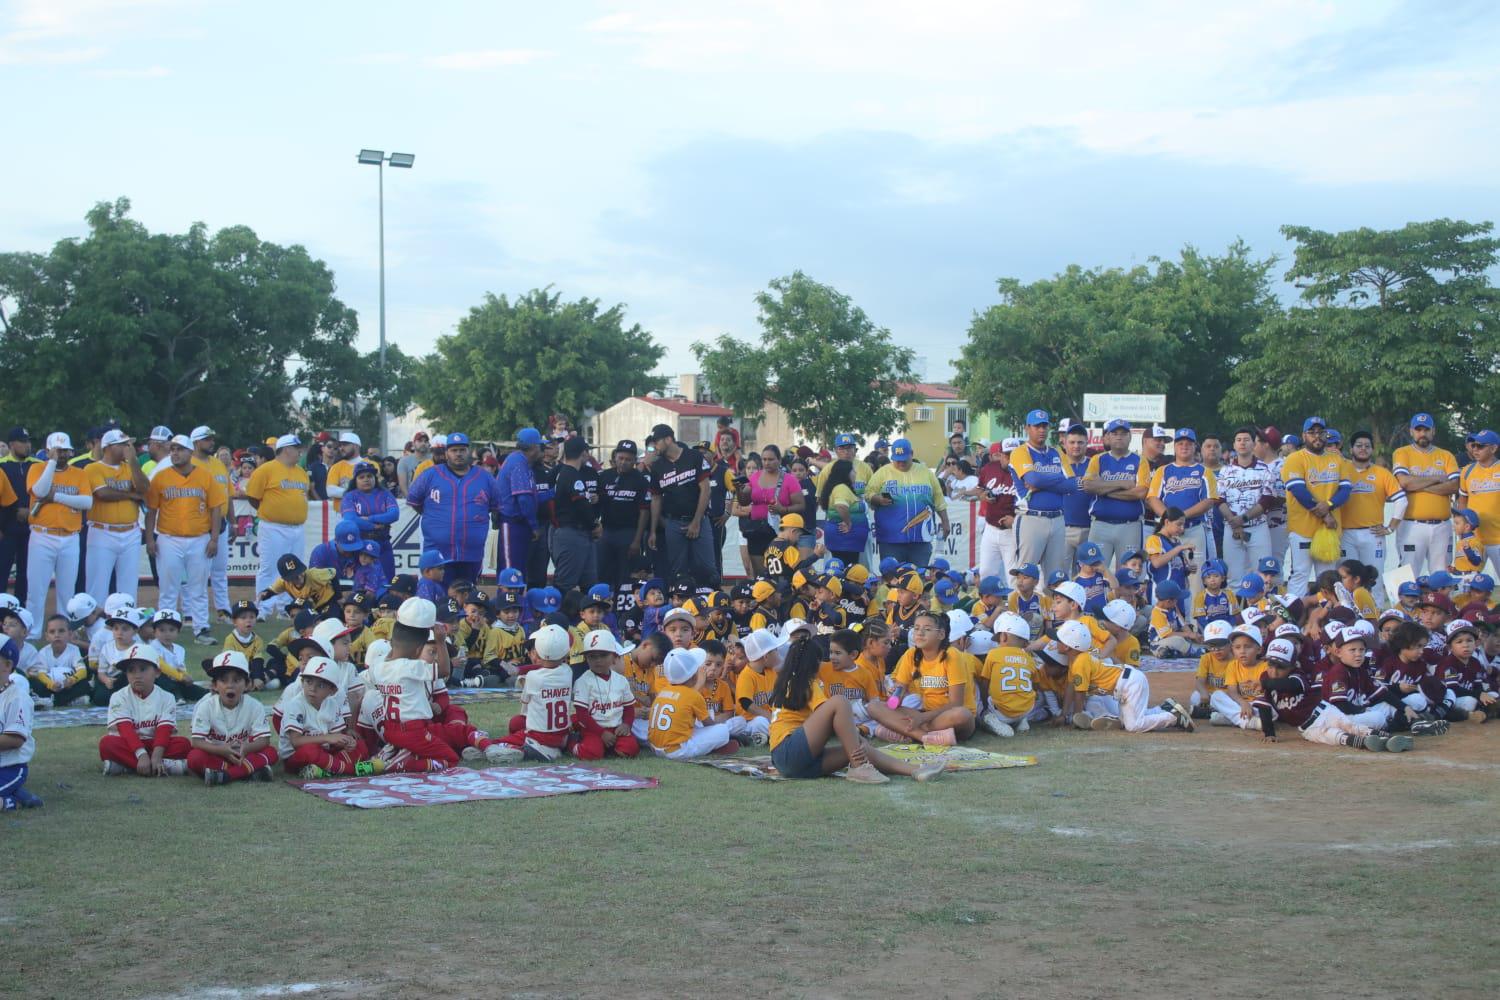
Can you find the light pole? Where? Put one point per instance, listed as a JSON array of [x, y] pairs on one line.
[[378, 159]]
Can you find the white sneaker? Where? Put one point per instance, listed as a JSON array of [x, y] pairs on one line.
[[273, 684], [472, 682], [502, 753], [174, 767], [471, 754], [538, 751], [991, 720], [1023, 726], [758, 737], [865, 774], [114, 770], [1219, 719], [41, 702]]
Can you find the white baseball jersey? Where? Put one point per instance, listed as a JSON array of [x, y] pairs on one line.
[[213, 721], [604, 698], [299, 717], [1243, 488], [156, 709], [109, 654], [97, 632], [28, 658], [405, 687], [15, 720], [172, 656], [59, 666], [548, 696]]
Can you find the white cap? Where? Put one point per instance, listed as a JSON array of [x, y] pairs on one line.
[[1012, 624], [114, 436], [80, 606], [230, 658], [1011, 444], [140, 651], [1217, 631], [9, 602], [1366, 628], [1281, 649], [792, 626], [25, 617], [417, 612], [679, 614], [1120, 614], [1075, 635], [682, 665], [959, 624], [1249, 632], [349, 437], [1350, 633], [980, 642], [1331, 630], [601, 640], [551, 643], [322, 668], [182, 441], [1288, 631], [167, 615], [202, 431], [59, 440], [328, 630], [439, 441], [117, 602], [1252, 616], [1158, 431], [762, 641], [288, 441], [377, 653], [160, 432], [1072, 591]]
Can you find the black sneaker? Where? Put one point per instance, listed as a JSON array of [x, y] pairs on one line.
[[1201, 712], [263, 773], [1432, 727]]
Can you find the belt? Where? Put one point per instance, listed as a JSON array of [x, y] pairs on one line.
[[1044, 513], [1118, 520], [1428, 520], [1360, 527], [52, 531], [1314, 717], [112, 527]]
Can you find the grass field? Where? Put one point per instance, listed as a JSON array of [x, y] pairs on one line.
[[1168, 864]]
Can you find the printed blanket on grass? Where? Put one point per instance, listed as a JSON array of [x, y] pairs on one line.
[[460, 784], [953, 758]]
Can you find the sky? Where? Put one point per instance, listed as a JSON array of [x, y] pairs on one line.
[[678, 156]]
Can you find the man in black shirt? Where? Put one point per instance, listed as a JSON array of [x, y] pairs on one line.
[[679, 504], [575, 519], [625, 496], [15, 535]]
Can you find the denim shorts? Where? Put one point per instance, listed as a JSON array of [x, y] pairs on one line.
[[794, 758]]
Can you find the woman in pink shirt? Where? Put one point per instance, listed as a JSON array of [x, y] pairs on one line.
[[770, 491]]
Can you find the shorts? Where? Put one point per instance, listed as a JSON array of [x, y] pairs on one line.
[[794, 758]]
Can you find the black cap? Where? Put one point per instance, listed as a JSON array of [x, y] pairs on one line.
[[662, 431], [683, 585], [289, 566], [306, 618], [389, 601], [240, 607], [626, 446], [478, 597], [361, 599], [450, 610], [506, 599], [741, 592], [18, 434], [405, 584]]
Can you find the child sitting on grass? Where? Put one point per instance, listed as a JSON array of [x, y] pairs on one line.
[[174, 678], [141, 727], [107, 655], [242, 639], [16, 744], [59, 674], [231, 739], [603, 704], [314, 739], [679, 713]]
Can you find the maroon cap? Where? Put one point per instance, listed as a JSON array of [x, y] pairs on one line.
[[1272, 436], [324, 436], [1442, 602]]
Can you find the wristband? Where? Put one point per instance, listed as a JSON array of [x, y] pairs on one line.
[[141, 752]]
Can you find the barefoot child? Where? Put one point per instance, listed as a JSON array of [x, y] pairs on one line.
[[141, 728], [231, 738]]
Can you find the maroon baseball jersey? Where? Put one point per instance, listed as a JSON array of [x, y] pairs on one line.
[[1291, 700], [1459, 674], [1351, 690]]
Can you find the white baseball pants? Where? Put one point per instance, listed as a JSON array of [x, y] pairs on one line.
[[1200, 541], [1330, 724], [1426, 548], [1243, 557], [1133, 692], [1302, 569], [1369, 548], [218, 571], [180, 558], [274, 541], [49, 555], [112, 552], [704, 741], [997, 552]]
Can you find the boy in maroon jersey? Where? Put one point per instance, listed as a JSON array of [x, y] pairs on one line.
[[1285, 697]]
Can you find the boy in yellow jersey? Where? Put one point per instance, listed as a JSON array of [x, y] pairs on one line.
[[590, 617], [278, 491], [1429, 475], [1067, 605], [1479, 491], [119, 488], [1242, 678], [1118, 619], [1468, 553], [846, 674], [243, 640], [1212, 667], [59, 495], [752, 688], [641, 668], [679, 712], [1317, 484], [1010, 697], [318, 588], [183, 519], [1125, 688]]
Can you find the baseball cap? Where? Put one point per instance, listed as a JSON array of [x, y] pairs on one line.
[[1130, 554], [450, 610], [998, 448], [1089, 554], [288, 441], [1160, 433], [1281, 651], [59, 441], [140, 652], [945, 591], [527, 437], [320, 647], [511, 579], [1038, 418], [1250, 585], [1125, 577], [881, 444], [792, 626], [793, 521], [1487, 437], [166, 615], [181, 441], [684, 586], [661, 431], [370, 548], [600, 593], [80, 605], [506, 599], [1389, 614], [1027, 569], [1012, 624], [1120, 614], [1214, 566], [551, 642], [681, 665], [626, 445], [960, 624], [1186, 434], [202, 431], [1075, 635], [117, 602], [901, 449], [1293, 440], [1249, 632], [348, 437], [911, 582], [241, 607], [544, 599], [762, 590], [1481, 582], [1470, 515], [1271, 435], [1423, 420], [114, 437], [1056, 577], [843, 441], [1270, 564], [431, 559], [417, 612], [1168, 590], [679, 614], [1116, 425], [458, 438], [1459, 626], [440, 440], [1289, 632], [1012, 443], [323, 668], [18, 434], [761, 642], [601, 640], [289, 566], [940, 564], [230, 659], [1312, 422], [1217, 632], [361, 467], [1438, 579], [1071, 591], [160, 433], [991, 586], [1334, 437]]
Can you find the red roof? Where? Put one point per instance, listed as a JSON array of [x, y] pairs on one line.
[[933, 390], [683, 408]]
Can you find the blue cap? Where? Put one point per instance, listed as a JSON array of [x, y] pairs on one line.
[[431, 559], [1487, 437], [843, 440], [1117, 425], [652, 584], [889, 565], [1270, 564], [1409, 589], [1027, 569], [1312, 422], [956, 576], [10, 651], [1470, 515], [1168, 590], [901, 450], [458, 438], [1250, 586], [1130, 554], [1214, 566], [882, 444], [1422, 581], [1293, 440], [1440, 579], [545, 600], [346, 536], [1481, 582], [872, 584], [1125, 577], [905, 567], [990, 586], [371, 548], [1055, 577], [511, 579], [528, 436], [1423, 420], [1095, 605], [1334, 437], [940, 564], [945, 591], [361, 467], [1186, 434], [1036, 417], [834, 567], [1089, 554], [600, 593]]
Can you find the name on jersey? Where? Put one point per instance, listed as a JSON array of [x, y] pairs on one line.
[[292, 484], [676, 477], [184, 493]]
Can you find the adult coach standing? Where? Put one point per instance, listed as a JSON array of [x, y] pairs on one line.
[[679, 503], [1317, 482], [205, 448], [1117, 479], [625, 513], [15, 533], [904, 495], [60, 494], [1076, 519], [516, 484], [575, 519], [341, 473], [119, 489], [1246, 494], [278, 490], [1429, 476], [1041, 535], [1479, 491], [184, 512], [456, 500]]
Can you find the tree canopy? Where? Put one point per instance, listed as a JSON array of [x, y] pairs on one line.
[[820, 358], [182, 329], [512, 363]]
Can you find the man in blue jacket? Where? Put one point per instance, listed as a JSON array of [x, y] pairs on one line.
[[516, 485], [455, 501]]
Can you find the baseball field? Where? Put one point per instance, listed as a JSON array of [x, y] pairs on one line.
[[1173, 864]]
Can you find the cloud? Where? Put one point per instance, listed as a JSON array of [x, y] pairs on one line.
[[65, 32], [485, 59], [147, 73]]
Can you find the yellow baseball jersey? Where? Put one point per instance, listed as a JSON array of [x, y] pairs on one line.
[[673, 712], [253, 649], [1369, 491], [857, 685], [422, 467], [1212, 670], [786, 721], [218, 474], [755, 688], [1091, 675], [1010, 672], [282, 491], [1321, 474], [643, 683], [316, 589], [341, 474], [1480, 487], [183, 502], [116, 477], [510, 644], [1468, 553], [718, 696], [936, 679], [1412, 461], [1099, 632], [68, 480], [1364, 604], [7, 492], [1243, 681], [1128, 651]]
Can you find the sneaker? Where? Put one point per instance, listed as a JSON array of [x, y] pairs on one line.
[[991, 720], [212, 777], [273, 684], [502, 753], [471, 754], [472, 682], [536, 751], [941, 738], [25, 799], [1082, 720], [41, 702], [1201, 712], [1399, 743], [262, 774], [866, 774], [312, 771], [1219, 719], [365, 768], [204, 639], [759, 737], [1429, 727], [176, 768], [1184, 717], [114, 770], [888, 734], [928, 772], [1023, 726], [1375, 741], [1105, 723]]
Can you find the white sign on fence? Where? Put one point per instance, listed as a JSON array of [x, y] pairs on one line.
[[1138, 409]]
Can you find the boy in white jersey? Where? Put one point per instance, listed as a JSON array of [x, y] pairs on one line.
[[59, 674], [106, 653], [314, 736], [174, 677], [405, 685], [603, 704], [85, 621], [16, 743], [230, 735], [547, 695], [141, 727]]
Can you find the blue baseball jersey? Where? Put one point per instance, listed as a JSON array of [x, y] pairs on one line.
[[455, 510]]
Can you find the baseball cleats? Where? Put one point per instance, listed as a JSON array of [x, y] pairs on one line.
[[759, 737], [113, 770], [263, 774], [991, 720], [1082, 720], [1398, 743], [1104, 723], [1201, 712], [1184, 717], [1023, 726], [212, 777], [537, 751], [471, 754], [928, 772], [203, 638], [1429, 727], [176, 768], [1374, 741], [312, 771], [502, 753], [865, 774], [366, 768]]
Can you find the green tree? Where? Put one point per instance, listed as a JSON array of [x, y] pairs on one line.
[[821, 359], [177, 329], [512, 364], [1395, 322]]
